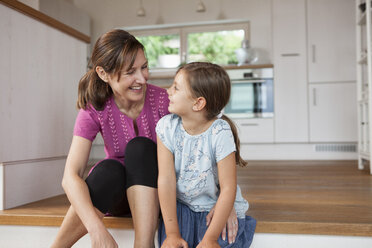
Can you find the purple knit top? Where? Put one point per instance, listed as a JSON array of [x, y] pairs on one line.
[[116, 128]]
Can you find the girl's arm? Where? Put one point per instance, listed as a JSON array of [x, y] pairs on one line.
[[78, 193], [227, 180], [167, 197]]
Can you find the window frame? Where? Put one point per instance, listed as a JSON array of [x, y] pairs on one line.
[[183, 30]]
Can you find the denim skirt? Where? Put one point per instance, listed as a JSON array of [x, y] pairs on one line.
[[193, 226]]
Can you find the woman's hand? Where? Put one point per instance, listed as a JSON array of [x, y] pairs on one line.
[[205, 243], [231, 226], [174, 241], [102, 239]]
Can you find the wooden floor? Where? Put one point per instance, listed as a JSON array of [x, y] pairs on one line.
[[295, 197]]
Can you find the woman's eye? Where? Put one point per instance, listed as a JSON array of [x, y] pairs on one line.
[[144, 67]]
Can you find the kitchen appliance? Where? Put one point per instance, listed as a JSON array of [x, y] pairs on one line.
[[251, 93]]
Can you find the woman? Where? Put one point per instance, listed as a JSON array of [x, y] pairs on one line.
[[115, 100]]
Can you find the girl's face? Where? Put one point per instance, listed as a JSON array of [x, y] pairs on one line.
[[181, 100], [132, 83]]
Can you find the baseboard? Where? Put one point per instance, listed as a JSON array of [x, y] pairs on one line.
[[296, 152]]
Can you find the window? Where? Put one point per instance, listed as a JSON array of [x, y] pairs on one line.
[[216, 47], [162, 51], [168, 46]]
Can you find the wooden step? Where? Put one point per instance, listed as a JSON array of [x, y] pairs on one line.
[[50, 212], [291, 197]]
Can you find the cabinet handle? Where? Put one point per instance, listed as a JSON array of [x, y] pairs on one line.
[[313, 47], [243, 81], [290, 54], [249, 124], [314, 96]]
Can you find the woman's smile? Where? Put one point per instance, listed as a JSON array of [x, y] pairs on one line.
[[136, 87]]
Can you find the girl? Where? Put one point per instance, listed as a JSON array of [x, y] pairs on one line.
[[198, 150]]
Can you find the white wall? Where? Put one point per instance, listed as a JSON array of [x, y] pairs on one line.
[[106, 15], [32, 3], [65, 12], [40, 68]]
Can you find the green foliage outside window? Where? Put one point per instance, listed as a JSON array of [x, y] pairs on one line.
[[215, 47], [157, 45]]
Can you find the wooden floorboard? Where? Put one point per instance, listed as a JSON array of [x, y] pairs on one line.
[[295, 197], [330, 197]]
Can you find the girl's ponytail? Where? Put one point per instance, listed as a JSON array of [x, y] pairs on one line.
[[92, 90], [239, 160]]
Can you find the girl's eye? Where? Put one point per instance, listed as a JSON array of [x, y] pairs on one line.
[[144, 67], [130, 72]]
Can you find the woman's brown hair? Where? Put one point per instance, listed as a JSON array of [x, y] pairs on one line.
[[212, 82], [114, 51]]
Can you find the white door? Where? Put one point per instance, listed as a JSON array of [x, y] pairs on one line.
[[290, 85], [333, 115], [331, 40]]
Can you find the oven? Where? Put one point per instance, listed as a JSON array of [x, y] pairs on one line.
[[251, 93]]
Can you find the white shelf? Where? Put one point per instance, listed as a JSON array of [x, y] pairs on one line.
[[364, 81], [362, 20], [363, 59], [364, 155]]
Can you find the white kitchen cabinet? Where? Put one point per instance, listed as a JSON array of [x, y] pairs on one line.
[[254, 130], [331, 47], [333, 115], [290, 84]]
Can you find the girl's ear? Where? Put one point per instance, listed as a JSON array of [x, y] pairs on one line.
[[199, 104], [102, 73]]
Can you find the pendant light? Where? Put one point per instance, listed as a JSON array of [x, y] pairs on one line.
[[200, 7], [141, 10]]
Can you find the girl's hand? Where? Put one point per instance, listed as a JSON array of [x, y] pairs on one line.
[[231, 226], [205, 243], [103, 239], [174, 241]]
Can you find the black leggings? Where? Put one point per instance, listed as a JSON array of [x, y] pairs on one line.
[[109, 179]]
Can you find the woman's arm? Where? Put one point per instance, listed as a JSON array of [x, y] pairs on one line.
[[167, 197], [78, 193], [227, 180]]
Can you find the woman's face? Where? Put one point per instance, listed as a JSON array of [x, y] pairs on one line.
[[132, 83]]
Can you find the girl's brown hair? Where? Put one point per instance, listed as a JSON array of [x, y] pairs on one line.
[[114, 51], [212, 82]]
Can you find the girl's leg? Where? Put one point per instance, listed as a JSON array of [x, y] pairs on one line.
[[106, 185], [142, 173]]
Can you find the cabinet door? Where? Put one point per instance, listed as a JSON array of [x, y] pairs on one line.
[[291, 111], [289, 43], [333, 115], [331, 40], [255, 130]]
